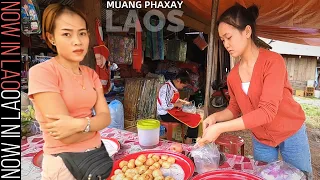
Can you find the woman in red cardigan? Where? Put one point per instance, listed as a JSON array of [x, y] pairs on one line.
[[261, 96]]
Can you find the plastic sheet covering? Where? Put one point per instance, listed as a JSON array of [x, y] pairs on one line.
[[177, 50]]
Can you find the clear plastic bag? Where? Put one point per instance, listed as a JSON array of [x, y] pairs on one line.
[[190, 108], [206, 158], [117, 115], [280, 170]]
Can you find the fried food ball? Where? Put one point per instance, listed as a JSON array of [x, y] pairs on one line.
[[160, 161], [142, 169], [156, 158], [171, 160], [166, 165], [149, 171], [145, 177], [142, 158], [150, 162], [136, 177], [138, 163], [119, 177], [118, 171], [123, 163], [131, 164], [164, 157], [169, 178], [156, 173], [124, 169], [157, 165], [159, 178], [129, 174]]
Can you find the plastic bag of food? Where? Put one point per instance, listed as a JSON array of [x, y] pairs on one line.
[[279, 170], [190, 108], [206, 158]]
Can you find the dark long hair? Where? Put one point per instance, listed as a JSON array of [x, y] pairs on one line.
[[239, 17], [184, 76]]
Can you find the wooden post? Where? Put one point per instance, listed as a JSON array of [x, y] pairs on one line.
[[92, 10], [211, 55]]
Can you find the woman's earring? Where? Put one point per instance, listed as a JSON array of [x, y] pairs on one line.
[[52, 43]]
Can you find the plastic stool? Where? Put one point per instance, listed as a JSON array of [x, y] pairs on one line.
[[170, 126], [233, 143]]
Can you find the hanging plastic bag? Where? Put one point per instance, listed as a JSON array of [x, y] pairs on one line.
[[30, 21], [200, 42], [190, 108], [117, 115], [279, 170], [206, 158]]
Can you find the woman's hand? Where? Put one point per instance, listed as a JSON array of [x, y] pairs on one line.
[[184, 101], [178, 104], [210, 120], [63, 126], [210, 135]]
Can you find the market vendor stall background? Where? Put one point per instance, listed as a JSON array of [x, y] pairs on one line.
[[289, 21]]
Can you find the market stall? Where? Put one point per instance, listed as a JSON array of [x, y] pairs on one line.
[[129, 144], [133, 88]]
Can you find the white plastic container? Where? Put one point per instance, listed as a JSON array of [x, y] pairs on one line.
[[317, 93], [148, 133], [310, 83]]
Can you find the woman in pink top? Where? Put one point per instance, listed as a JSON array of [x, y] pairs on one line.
[[64, 92]]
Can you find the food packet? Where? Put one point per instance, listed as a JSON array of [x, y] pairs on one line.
[[206, 158], [279, 170]]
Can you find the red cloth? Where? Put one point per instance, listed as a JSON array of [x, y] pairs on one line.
[[105, 78], [191, 120], [103, 72], [137, 52]]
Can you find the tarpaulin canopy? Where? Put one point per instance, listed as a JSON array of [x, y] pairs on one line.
[[296, 21]]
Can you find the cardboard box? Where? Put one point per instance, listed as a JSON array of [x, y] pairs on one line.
[[300, 93]]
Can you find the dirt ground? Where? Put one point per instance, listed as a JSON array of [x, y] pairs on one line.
[[313, 134]]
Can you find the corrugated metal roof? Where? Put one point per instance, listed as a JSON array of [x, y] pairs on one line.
[[292, 49]]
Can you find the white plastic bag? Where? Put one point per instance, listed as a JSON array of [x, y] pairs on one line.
[[190, 108], [280, 170], [206, 158]]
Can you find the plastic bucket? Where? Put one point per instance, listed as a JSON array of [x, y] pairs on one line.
[[148, 133]]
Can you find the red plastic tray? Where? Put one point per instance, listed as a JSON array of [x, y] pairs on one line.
[[37, 159], [182, 160], [226, 175]]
